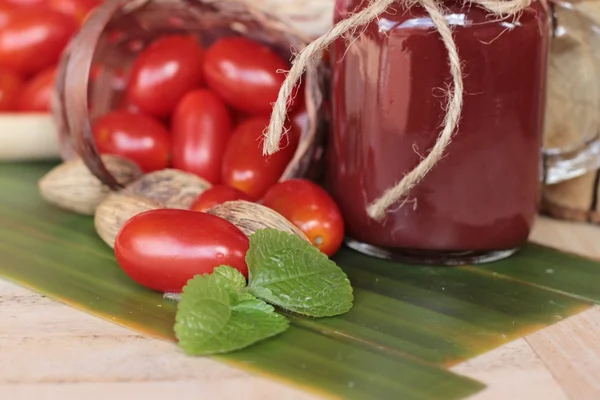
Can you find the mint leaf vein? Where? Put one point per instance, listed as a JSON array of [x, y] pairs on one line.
[[294, 275]]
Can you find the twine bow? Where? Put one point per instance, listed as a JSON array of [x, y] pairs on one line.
[[377, 209]]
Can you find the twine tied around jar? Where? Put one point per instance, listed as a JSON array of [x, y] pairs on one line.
[[377, 209]]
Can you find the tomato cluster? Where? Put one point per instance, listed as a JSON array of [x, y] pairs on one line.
[[33, 34], [163, 249], [204, 111], [195, 109]]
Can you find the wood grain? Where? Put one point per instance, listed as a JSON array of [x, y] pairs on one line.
[[571, 349], [51, 351], [512, 372], [571, 352], [558, 363]]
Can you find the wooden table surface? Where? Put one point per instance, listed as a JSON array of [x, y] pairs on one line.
[[51, 351]]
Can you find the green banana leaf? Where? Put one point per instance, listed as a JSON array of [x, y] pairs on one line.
[[574, 275], [407, 324]]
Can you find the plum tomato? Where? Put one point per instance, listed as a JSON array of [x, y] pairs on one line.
[[244, 166], [6, 12], [201, 127], [163, 249], [164, 72], [216, 195], [37, 93], [34, 38], [244, 73], [77, 9], [310, 208], [10, 87], [139, 138]]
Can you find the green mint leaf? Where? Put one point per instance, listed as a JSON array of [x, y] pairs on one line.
[[237, 280], [235, 277], [291, 273], [216, 316]]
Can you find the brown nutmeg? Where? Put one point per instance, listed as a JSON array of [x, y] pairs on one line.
[[171, 187], [71, 185], [252, 217], [116, 210]]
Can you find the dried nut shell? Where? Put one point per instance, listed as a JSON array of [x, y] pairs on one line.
[[252, 217], [115, 210], [171, 187], [73, 187]]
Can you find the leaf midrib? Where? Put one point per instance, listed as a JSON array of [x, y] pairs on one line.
[[270, 282]]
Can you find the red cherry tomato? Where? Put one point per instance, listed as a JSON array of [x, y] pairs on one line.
[[77, 9], [201, 128], [310, 208], [164, 72], [216, 195], [37, 93], [244, 73], [137, 137], [6, 12], [10, 87], [34, 38], [163, 249], [244, 166]]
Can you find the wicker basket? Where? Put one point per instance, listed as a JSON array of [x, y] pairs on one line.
[[119, 29]]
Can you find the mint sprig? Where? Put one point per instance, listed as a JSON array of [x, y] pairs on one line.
[[218, 313], [291, 273], [215, 316]]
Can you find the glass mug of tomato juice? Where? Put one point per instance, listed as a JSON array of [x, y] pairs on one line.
[[478, 204]]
